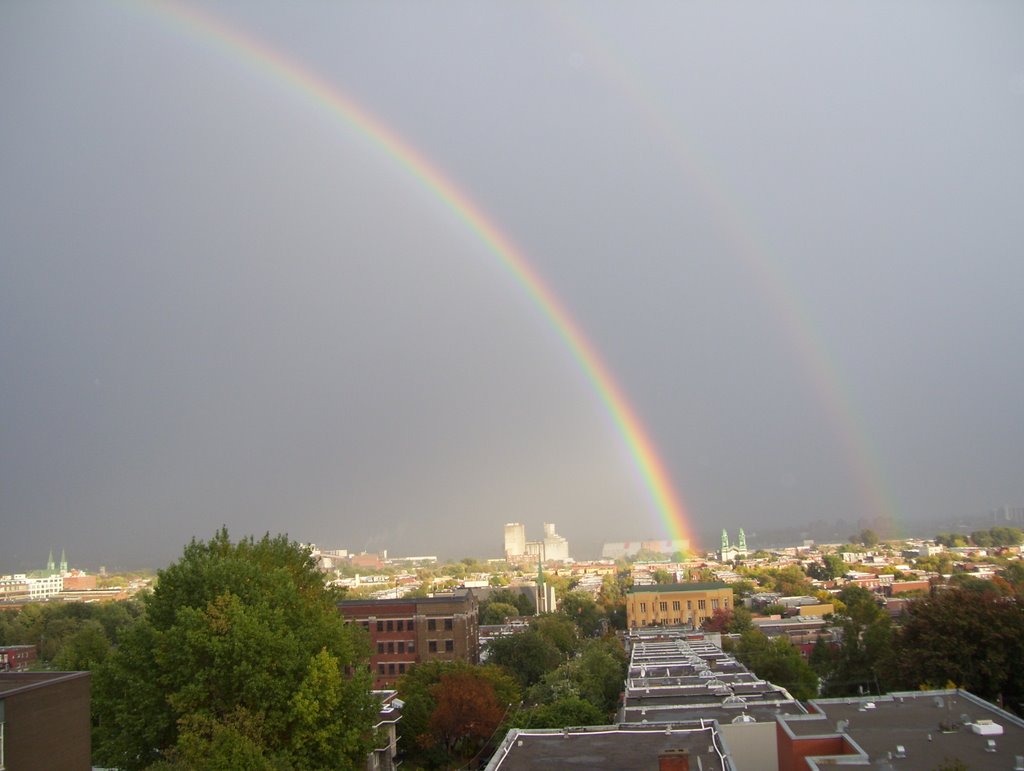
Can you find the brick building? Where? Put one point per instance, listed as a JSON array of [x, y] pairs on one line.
[[44, 721], [17, 658], [673, 604], [404, 632]]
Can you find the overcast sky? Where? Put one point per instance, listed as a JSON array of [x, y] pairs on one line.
[[793, 231]]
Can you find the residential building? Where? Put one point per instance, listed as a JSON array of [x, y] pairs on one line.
[[915, 729], [406, 631], [674, 604], [44, 721], [689, 747], [384, 754], [17, 658]]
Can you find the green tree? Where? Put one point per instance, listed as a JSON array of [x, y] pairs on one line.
[[559, 630], [582, 610], [868, 537], [561, 713], [974, 640], [233, 642], [864, 657], [85, 649], [528, 656], [777, 661], [497, 612], [513, 597]]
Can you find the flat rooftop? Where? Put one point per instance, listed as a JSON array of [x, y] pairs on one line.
[[608, 747], [931, 726], [12, 683]]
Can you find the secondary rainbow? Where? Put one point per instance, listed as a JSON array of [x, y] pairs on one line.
[[296, 77]]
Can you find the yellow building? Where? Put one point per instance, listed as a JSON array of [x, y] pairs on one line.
[[671, 604]]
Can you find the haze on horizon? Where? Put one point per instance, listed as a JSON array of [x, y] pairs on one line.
[[793, 232]]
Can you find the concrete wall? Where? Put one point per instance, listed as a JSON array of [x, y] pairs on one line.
[[752, 746]]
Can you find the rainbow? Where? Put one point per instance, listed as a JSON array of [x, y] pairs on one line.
[[295, 77], [820, 365]]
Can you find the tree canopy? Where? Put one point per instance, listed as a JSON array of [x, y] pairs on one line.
[[240, 659]]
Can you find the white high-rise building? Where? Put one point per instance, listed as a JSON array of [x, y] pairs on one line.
[[556, 548], [515, 540]]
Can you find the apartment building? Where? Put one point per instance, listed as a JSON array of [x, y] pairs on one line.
[[406, 631], [676, 604]]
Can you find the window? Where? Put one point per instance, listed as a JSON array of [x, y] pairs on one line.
[[449, 645], [431, 624], [380, 626], [391, 647], [366, 625], [391, 625], [714, 604], [448, 624], [432, 646], [410, 625], [401, 669], [380, 668], [725, 603], [702, 604], [380, 647], [399, 626], [689, 604], [391, 669], [643, 607], [675, 604], [401, 646], [663, 606], [412, 646]]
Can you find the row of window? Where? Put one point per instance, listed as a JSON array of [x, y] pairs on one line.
[[409, 646], [701, 605], [402, 646], [392, 669], [408, 625]]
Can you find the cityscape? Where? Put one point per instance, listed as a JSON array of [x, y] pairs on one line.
[[653, 655], [511, 386]]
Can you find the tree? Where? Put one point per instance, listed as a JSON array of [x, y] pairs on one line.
[[561, 713], [428, 737], [974, 640], [582, 610], [512, 597], [467, 711], [559, 630], [528, 656], [777, 661], [863, 659], [868, 537], [497, 612], [662, 576], [234, 642]]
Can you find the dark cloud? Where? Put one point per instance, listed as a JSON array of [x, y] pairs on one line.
[[792, 233]]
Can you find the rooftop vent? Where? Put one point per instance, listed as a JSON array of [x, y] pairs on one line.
[[940, 702], [1018, 763], [990, 746], [744, 718], [841, 726], [901, 751], [986, 728]]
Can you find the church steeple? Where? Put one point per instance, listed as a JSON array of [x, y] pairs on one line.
[[725, 540], [63, 562], [50, 567], [743, 540]]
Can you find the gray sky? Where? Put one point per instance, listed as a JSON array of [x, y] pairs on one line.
[[792, 231]]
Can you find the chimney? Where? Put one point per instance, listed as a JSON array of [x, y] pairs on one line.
[[674, 760]]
